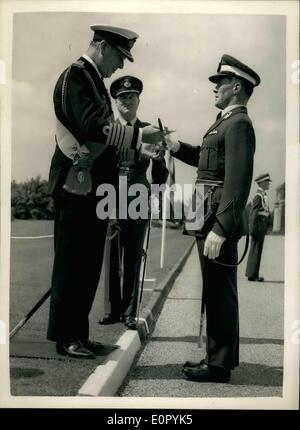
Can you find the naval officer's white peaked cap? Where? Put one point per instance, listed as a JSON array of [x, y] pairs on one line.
[[120, 38]]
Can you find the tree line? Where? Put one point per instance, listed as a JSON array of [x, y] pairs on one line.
[[30, 200]]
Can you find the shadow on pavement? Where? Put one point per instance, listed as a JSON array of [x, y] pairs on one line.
[[245, 374], [18, 372], [272, 282], [194, 339], [257, 374], [26, 348]]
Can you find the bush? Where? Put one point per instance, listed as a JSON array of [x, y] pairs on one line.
[[29, 200]]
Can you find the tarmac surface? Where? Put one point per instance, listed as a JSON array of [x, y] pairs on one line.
[[35, 368], [147, 363]]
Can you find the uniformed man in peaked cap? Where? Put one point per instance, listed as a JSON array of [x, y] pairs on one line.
[[86, 137], [225, 164], [128, 246], [259, 222]]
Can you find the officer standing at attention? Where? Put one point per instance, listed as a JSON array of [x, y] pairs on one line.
[[84, 115], [258, 225], [129, 245], [224, 161]]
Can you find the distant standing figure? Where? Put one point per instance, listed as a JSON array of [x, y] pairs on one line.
[[259, 223]]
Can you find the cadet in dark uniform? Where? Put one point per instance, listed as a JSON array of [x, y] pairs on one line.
[[84, 115], [224, 160], [123, 300], [258, 224]]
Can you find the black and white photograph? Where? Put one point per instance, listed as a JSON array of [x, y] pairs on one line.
[[149, 205]]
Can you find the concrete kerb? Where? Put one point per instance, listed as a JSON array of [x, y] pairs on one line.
[[107, 378]]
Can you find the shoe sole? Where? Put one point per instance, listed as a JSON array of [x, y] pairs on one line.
[[63, 352], [109, 322], [212, 380]]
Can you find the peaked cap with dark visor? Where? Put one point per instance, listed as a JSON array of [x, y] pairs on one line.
[[230, 66], [121, 38]]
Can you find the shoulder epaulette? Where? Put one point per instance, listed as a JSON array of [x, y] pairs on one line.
[[78, 63]]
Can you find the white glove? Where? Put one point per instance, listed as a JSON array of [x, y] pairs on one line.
[[173, 145], [213, 245], [155, 152]]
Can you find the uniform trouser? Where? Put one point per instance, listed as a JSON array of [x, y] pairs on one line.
[[123, 301], [79, 245], [254, 257], [221, 303]]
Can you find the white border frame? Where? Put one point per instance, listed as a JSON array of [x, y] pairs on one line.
[[292, 295]]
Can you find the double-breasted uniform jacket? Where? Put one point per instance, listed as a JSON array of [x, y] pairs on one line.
[[258, 225], [226, 154], [132, 234], [83, 106]]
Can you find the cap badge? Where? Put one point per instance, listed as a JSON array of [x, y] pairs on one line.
[[126, 83]]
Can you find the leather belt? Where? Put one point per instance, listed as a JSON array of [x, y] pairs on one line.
[[132, 174], [126, 171], [210, 183], [263, 213]]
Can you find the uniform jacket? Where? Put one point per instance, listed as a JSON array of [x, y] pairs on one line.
[[226, 154], [82, 105], [259, 214], [138, 168]]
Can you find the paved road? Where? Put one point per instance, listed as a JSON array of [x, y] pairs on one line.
[[157, 372]]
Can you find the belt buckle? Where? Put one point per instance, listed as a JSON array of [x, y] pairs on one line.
[[128, 172]]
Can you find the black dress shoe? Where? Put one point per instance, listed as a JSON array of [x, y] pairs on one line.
[[194, 363], [258, 279], [92, 345], [74, 349], [109, 319], [130, 322], [205, 373]]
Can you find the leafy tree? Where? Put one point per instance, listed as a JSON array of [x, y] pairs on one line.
[[29, 200]]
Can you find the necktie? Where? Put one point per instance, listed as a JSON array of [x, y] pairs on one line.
[[128, 123]]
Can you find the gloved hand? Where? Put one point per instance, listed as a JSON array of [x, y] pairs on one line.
[[212, 245], [83, 162], [172, 144], [155, 152], [151, 134]]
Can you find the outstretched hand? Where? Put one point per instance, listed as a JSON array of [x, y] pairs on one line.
[[153, 135], [155, 152], [173, 145]]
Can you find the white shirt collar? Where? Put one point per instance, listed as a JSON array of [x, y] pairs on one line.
[[124, 122], [92, 62], [229, 108], [261, 189]]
